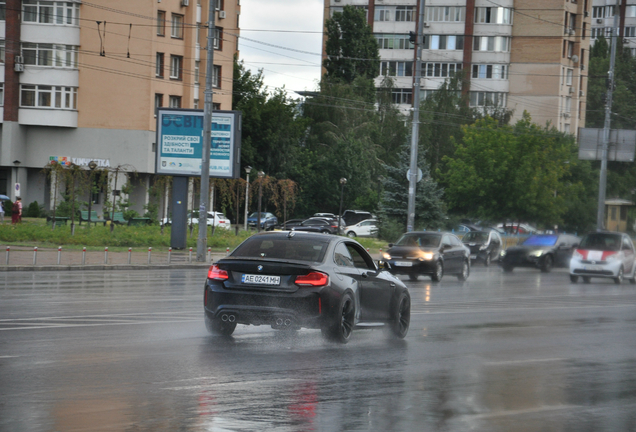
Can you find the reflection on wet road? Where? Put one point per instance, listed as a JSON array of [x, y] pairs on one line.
[[128, 351]]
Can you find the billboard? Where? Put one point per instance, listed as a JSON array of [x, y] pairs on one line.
[[620, 148], [180, 143]]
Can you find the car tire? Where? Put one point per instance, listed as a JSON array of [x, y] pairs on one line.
[[465, 271], [586, 279], [413, 276], [547, 263], [508, 268], [401, 317], [619, 278], [574, 278], [487, 261], [340, 330], [351, 234], [439, 272], [217, 327]]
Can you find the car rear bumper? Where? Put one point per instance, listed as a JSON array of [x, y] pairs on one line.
[[303, 308]]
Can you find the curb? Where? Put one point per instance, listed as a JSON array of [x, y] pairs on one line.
[[14, 268]]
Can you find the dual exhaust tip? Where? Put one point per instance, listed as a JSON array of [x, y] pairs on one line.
[[280, 322], [228, 318]]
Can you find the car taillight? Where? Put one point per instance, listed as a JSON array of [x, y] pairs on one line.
[[312, 279], [216, 273]]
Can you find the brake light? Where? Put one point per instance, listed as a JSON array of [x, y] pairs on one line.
[[216, 273], [312, 279]]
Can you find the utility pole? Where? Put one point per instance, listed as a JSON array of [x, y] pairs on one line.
[[602, 184], [415, 134], [202, 240]]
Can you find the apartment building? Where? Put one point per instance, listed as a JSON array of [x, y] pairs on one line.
[[81, 82], [522, 55], [603, 20]]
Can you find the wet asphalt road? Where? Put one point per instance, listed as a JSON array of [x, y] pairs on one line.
[[128, 351]]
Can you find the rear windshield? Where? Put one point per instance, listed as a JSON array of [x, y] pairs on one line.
[[602, 242], [310, 250], [420, 240], [475, 236], [548, 240]]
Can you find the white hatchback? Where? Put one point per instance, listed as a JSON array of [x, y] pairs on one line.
[[604, 255]]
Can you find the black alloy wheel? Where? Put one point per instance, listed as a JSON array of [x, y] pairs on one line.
[[619, 278], [465, 271], [574, 278], [439, 272], [546, 264], [402, 317], [340, 331], [217, 327]]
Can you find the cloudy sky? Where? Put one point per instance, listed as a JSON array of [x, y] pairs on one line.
[[283, 38]]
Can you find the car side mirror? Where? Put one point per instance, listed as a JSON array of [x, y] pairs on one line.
[[384, 265], [390, 245]]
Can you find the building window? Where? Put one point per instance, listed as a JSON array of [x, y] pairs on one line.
[[161, 23], [382, 13], [603, 11], [218, 4], [483, 71], [2, 42], [393, 41], [216, 76], [217, 41], [570, 49], [64, 56], [443, 42], [402, 96], [568, 76], [177, 26], [158, 100], [441, 70], [195, 105], [491, 43], [630, 11], [50, 12], [159, 66], [175, 101], [216, 106], [3, 10], [41, 96], [197, 71], [445, 13], [405, 13], [396, 68], [493, 15], [1, 94], [568, 104], [482, 99], [630, 31], [176, 67]]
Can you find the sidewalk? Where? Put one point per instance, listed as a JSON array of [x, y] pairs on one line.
[[21, 258]]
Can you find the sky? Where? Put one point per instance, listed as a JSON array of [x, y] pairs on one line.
[[284, 39]]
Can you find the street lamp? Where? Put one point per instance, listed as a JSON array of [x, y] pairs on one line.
[[92, 165], [261, 174], [248, 169], [343, 182]]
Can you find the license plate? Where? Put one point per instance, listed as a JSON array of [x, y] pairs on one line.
[[593, 267], [260, 279], [403, 264]]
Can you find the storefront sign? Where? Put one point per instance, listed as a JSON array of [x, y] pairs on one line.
[[83, 162]]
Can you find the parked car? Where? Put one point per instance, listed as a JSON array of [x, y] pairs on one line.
[[518, 228], [485, 246], [604, 255], [268, 220], [366, 228], [352, 217], [429, 253], [319, 225], [462, 229], [289, 224], [542, 251], [216, 219], [290, 280]]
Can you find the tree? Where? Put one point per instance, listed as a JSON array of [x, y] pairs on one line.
[[509, 172], [429, 207], [352, 50]]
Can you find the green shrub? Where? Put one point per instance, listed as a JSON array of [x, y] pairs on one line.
[[34, 210]]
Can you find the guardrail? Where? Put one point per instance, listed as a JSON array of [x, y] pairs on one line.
[[36, 256]]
